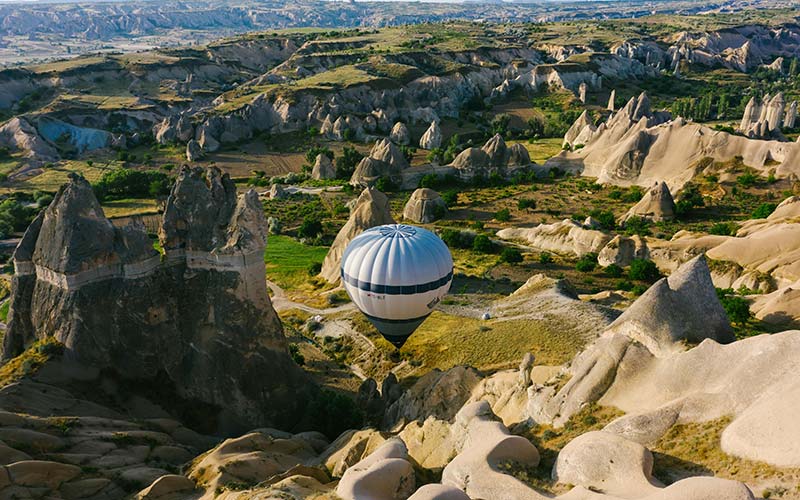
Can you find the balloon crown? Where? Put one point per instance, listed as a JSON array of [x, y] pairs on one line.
[[397, 231]]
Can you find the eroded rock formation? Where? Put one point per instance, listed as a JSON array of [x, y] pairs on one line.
[[198, 311]]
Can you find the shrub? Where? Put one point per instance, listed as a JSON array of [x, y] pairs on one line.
[[633, 195], [346, 164], [638, 289], [723, 229], [604, 217], [510, 255], [311, 154], [310, 227], [482, 244], [457, 239], [526, 204], [613, 271], [385, 184], [126, 183], [545, 258], [764, 210], [503, 215], [643, 270], [737, 308], [624, 285], [333, 413], [450, 197], [315, 268], [294, 351], [637, 225], [587, 263], [747, 179]]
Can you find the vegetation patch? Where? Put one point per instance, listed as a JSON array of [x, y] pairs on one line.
[[289, 261]]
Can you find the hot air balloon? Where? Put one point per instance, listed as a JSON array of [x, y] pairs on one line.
[[396, 275]]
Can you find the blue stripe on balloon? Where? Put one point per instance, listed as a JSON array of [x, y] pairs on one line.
[[397, 289]]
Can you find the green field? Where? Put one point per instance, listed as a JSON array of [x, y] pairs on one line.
[[288, 260]]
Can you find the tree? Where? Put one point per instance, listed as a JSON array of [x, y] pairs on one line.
[[526, 204], [643, 270], [482, 244], [127, 183], [587, 263], [503, 215], [764, 210], [310, 227], [510, 255], [346, 164]]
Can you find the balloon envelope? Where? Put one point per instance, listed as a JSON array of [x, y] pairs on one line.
[[396, 275]]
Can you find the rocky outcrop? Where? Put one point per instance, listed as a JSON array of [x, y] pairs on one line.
[[581, 131], [385, 474], [656, 205], [384, 160], [174, 128], [432, 138], [641, 147], [371, 209], [652, 321], [424, 206], [764, 118], [194, 152], [400, 134], [323, 168], [198, 310], [567, 236], [19, 135]]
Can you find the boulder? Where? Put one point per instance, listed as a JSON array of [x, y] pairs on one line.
[[438, 492], [432, 138], [424, 206], [323, 168], [518, 156], [277, 192], [606, 462], [384, 160], [41, 474], [656, 205], [584, 122], [400, 134], [371, 209], [386, 474], [167, 487]]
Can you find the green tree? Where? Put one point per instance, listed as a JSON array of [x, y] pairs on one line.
[[503, 215], [510, 255], [311, 227], [346, 164], [643, 270], [482, 244]]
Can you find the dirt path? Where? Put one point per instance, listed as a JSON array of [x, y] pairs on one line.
[[282, 303]]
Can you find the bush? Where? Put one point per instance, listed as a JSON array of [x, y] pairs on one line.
[[587, 263], [346, 164], [526, 204], [637, 225], [482, 244], [764, 210], [315, 268], [633, 195], [294, 352], [310, 227], [454, 238], [723, 229], [613, 271], [643, 270], [385, 185], [737, 308], [747, 179], [333, 413], [545, 258], [604, 217], [624, 285], [510, 255], [450, 197], [311, 154], [126, 183], [503, 215]]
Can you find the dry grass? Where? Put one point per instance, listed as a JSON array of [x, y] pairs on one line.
[[54, 177], [445, 340], [129, 207], [694, 449], [550, 442], [29, 361]]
